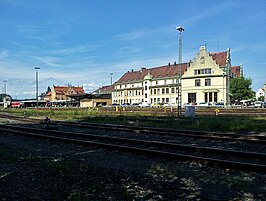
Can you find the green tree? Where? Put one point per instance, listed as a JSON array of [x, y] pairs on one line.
[[261, 98], [240, 88]]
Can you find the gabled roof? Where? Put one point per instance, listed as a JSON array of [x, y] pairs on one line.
[[104, 89], [156, 72], [61, 90], [219, 58]]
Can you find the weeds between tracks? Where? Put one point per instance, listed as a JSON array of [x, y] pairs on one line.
[[244, 124]]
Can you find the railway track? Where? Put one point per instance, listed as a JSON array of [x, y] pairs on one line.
[[258, 139], [249, 161]]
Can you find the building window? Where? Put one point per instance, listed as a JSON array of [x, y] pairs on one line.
[[210, 97], [208, 82], [167, 100], [206, 97], [203, 71], [158, 90], [158, 100], [156, 82], [162, 100], [197, 82], [215, 96], [163, 90], [172, 90], [192, 97], [167, 90], [154, 91], [146, 87], [146, 95]]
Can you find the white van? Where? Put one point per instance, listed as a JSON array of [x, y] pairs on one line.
[[258, 104]]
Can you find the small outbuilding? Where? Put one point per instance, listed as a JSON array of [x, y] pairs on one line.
[[92, 100]]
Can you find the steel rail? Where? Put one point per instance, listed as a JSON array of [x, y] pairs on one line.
[[225, 163], [159, 131]]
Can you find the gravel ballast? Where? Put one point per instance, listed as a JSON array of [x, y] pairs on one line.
[[33, 169]]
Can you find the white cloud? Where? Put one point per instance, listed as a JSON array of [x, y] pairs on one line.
[[50, 61]]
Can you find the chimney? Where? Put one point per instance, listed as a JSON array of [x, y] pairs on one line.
[[175, 63], [142, 68], [132, 70], [169, 64]]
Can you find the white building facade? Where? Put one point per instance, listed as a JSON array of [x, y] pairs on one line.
[[205, 79]]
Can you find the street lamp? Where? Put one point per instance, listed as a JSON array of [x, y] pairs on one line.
[[37, 68], [111, 75], [5, 87], [180, 29]]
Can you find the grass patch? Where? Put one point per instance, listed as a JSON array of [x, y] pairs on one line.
[[150, 118]]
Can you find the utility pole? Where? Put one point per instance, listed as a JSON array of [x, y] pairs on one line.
[[4, 87], [228, 72], [179, 107]]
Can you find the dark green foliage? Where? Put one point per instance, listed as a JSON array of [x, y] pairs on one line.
[[240, 88]]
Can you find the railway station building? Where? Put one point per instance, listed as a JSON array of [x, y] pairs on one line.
[[204, 79]]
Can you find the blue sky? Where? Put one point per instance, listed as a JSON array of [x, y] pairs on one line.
[[81, 42]]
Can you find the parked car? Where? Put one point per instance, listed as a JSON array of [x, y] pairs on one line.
[[114, 105], [204, 104], [144, 104], [219, 104], [135, 105], [258, 104], [125, 105], [157, 104]]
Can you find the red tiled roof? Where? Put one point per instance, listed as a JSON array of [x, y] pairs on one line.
[[157, 72], [61, 90], [236, 70], [219, 58], [106, 88]]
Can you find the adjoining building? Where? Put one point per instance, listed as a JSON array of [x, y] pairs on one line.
[[60, 93], [92, 100], [261, 93], [205, 79], [98, 98]]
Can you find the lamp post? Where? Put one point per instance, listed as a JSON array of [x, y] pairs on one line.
[[180, 29], [36, 69], [111, 76]]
